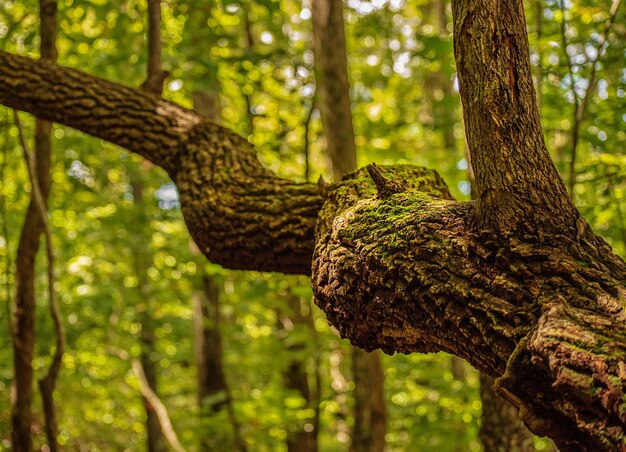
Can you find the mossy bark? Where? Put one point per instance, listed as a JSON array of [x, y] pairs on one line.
[[516, 283]]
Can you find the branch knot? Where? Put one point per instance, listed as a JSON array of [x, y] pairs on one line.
[[385, 187]]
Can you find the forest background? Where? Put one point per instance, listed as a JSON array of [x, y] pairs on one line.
[[128, 277]]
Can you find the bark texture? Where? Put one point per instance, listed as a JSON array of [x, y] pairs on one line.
[[502, 122], [516, 283], [408, 273], [24, 311], [241, 215]]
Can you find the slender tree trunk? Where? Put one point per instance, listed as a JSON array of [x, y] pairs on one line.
[[333, 91], [297, 378], [501, 429], [24, 311], [156, 442], [143, 257], [370, 424], [439, 94], [333, 87]]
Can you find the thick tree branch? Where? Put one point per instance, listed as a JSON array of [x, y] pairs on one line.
[[241, 215], [143, 123], [410, 273]]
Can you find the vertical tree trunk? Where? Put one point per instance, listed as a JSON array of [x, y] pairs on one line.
[[501, 429], [143, 257], [154, 83], [24, 311], [440, 113], [155, 440], [333, 87], [296, 377], [369, 402], [333, 91], [206, 307]]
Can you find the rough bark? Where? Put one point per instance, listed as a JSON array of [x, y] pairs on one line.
[[333, 92], [516, 283], [501, 428], [502, 123], [24, 311], [409, 273], [223, 188]]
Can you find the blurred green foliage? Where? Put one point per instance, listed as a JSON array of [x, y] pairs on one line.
[[406, 109]]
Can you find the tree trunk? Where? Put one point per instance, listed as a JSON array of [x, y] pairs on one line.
[[153, 84], [333, 91], [296, 377], [24, 311], [501, 429], [213, 390], [333, 87], [516, 283], [155, 440], [370, 424]]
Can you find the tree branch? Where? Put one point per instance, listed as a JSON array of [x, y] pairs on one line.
[[502, 122], [241, 215], [138, 121], [415, 271], [409, 273]]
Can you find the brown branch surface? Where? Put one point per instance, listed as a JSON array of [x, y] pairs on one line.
[[409, 273], [241, 215], [415, 271]]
